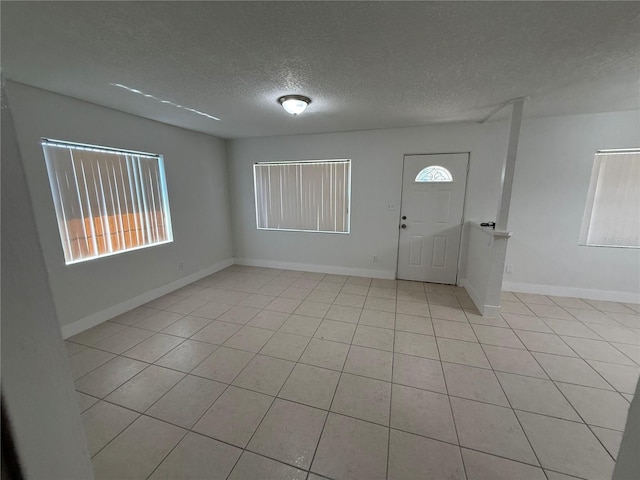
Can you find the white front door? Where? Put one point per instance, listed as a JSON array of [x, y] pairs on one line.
[[433, 189]]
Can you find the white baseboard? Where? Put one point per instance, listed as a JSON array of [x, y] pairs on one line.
[[97, 318], [309, 267], [558, 291], [485, 310]]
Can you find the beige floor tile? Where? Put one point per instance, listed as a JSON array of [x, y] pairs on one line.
[[442, 299], [289, 433], [601, 408], [631, 351], [296, 293], [476, 319], [534, 299], [515, 307], [545, 343], [491, 429], [312, 386], [369, 362], [374, 337], [238, 314], [211, 310], [611, 439], [322, 296], [255, 467], [466, 353], [622, 377], [381, 304], [614, 307], [423, 413], [595, 350], [629, 320], [185, 306], [351, 448], [134, 316], [159, 321], [454, 314], [186, 326], [326, 354], [416, 296], [415, 344], [264, 374], [439, 288], [590, 316], [286, 346], [256, 300], [410, 285], [164, 301], [301, 325], [526, 322], [413, 324], [153, 347], [412, 457], [381, 292], [418, 372], [251, 339], [186, 356], [613, 333], [510, 360], [358, 281], [351, 289], [106, 378], [344, 314], [185, 403], [335, 331], [570, 370], [473, 383], [568, 302], [144, 389], [567, 447], [363, 398], [234, 416], [549, 311], [73, 348], [536, 395], [197, 456], [377, 318], [87, 360], [268, 319], [98, 333], [312, 309], [137, 451], [499, 337], [123, 340], [454, 330], [102, 422], [571, 328], [413, 308], [348, 300], [85, 401], [285, 305], [223, 365], [481, 466], [217, 332]]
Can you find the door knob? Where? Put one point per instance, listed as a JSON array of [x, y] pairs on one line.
[[404, 217], [403, 226]]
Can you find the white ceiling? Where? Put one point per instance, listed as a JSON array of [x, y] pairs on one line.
[[366, 65]]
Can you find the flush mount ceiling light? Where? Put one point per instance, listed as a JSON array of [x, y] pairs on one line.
[[294, 104]]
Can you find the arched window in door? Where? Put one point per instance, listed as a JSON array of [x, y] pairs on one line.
[[434, 173]]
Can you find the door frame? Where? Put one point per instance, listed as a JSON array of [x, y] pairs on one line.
[[464, 207]]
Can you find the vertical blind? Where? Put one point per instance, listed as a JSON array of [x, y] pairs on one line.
[[106, 200], [612, 213], [311, 196]]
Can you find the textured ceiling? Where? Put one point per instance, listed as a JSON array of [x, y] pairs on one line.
[[365, 64]]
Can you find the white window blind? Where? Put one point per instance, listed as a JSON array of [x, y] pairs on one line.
[[612, 212], [106, 200], [311, 196]]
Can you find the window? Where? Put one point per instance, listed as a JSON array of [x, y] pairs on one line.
[[309, 196], [107, 201], [434, 173], [612, 213]]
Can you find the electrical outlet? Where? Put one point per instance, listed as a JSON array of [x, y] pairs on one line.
[[374, 258], [391, 207], [508, 269], [180, 265]]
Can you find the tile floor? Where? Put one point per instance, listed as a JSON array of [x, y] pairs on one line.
[[263, 373]]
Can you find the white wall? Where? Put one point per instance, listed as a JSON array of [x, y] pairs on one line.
[[377, 159], [555, 158], [552, 176], [197, 183]]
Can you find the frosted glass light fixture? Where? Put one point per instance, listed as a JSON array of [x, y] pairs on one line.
[[294, 104]]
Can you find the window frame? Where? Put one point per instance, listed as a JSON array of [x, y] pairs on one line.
[[168, 224], [297, 162]]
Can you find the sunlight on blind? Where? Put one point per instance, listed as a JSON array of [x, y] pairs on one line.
[[311, 196], [107, 201], [612, 213]]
